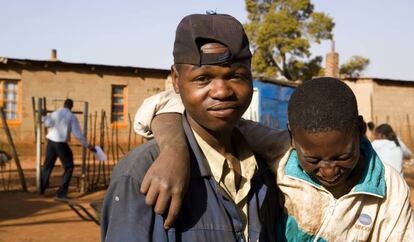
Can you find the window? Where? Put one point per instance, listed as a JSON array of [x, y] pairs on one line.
[[10, 99], [118, 104]]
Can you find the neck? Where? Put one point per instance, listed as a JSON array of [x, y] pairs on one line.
[[221, 140]]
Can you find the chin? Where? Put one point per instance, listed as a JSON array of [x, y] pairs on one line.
[[222, 125], [331, 184]]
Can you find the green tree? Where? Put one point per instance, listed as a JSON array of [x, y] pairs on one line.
[[281, 33], [354, 66]]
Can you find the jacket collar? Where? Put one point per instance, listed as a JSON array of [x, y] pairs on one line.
[[197, 166]]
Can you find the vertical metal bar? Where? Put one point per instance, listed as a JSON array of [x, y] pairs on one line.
[[85, 134]]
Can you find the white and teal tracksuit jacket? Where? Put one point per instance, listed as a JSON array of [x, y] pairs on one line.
[[377, 209]]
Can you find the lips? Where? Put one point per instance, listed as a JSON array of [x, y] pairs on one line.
[[332, 180], [223, 109]]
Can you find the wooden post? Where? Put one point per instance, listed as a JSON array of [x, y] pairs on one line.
[[13, 150], [34, 115], [129, 131], [112, 144], [88, 164], [409, 131], [85, 134], [116, 141], [38, 121], [46, 112], [93, 131]]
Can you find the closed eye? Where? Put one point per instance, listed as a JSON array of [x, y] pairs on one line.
[[344, 157], [312, 160]]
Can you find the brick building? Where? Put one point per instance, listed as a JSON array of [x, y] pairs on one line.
[[381, 100], [118, 90], [387, 101]]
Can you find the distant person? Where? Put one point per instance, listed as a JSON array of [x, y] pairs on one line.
[[390, 148], [61, 124], [370, 131]]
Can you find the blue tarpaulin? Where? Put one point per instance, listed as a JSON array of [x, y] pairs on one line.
[[272, 103]]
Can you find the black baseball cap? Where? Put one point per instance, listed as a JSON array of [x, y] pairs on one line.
[[197, 29]]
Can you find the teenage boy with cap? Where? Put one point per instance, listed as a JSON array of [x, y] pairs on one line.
[[231, 195]]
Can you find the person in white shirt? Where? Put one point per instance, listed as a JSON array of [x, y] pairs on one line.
[[390, 148], [61, 124]]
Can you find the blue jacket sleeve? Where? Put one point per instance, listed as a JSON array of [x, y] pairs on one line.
[[125, 216]]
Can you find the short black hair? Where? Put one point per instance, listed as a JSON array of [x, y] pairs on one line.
[[68, 103], [321, 105]]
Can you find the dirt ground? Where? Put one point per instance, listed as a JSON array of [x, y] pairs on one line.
[[29, 217]]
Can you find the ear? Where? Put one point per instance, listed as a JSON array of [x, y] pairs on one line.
[[174, 78], [292, 143], [362, 127]]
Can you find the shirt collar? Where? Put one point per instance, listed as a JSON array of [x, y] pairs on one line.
[[214, 160], [372, 181], [197, 165]]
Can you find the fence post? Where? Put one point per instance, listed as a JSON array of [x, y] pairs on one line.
[[38, 121], [85, 134], [13, 149]]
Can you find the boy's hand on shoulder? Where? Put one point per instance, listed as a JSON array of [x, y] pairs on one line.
[[166, 181], [165, 184]]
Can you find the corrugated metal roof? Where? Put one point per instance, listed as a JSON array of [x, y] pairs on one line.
[[378, 79], [278, 81], [49, 63]]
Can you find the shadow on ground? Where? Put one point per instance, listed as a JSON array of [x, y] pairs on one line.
[[16, 204]]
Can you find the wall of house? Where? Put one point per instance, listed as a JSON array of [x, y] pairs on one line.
[[91, 86], [394, 104], [382, 101], [363, 90]]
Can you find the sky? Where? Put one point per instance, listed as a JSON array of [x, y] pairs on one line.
[[141, 33]]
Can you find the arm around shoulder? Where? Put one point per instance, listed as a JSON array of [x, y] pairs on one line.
[[163, 102], [166, 181], [270, 143]]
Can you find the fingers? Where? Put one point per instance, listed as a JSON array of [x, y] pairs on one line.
[[151, 196], [146, 182], [163, 202], [175, 207]]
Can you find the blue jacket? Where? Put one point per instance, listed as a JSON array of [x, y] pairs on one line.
[[207, 213]]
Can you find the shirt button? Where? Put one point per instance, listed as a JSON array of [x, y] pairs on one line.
[[117, 198]]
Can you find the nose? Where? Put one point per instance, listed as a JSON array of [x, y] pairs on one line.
[[220, 89], [329, 170]]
